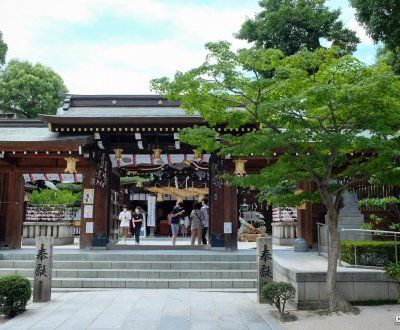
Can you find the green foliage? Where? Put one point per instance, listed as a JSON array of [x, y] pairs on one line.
[[379, 203], [54, 197], [30, 89], [15, 292], [394, 226], [369, 253], [3, 50], [278, 293], [390, 56], [288, 25], [381, 19], [393, 271], [374, 221], [314, 110], [70, 186]]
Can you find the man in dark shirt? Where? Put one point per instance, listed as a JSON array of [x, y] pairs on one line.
[[137, 219]]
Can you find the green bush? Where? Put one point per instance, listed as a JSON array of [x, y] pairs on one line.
[[15, 292], [393, 271], [277, 293], [54, 197], [369, 253]]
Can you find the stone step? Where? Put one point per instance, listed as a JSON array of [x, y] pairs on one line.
[[132, 257], [156, 265], [153, 283], [140, 274]]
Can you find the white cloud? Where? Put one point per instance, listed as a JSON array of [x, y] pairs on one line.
[[95, 66], [361, 33], [92, 65]]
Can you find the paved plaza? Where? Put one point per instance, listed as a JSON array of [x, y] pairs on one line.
[[147, 309]]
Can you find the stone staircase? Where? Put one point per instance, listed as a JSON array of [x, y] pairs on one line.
[[112, 269]]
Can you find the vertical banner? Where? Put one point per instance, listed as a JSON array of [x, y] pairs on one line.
[[43, 269], [264, 265], [151, 211]]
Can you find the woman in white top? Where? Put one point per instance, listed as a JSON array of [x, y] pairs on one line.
[[125, 218]]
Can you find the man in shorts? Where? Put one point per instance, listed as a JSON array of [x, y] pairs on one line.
[[125, 217], [177, 214]]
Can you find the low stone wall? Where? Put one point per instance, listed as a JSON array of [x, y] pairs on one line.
[[63, 232], [352, 284], [284, 233]]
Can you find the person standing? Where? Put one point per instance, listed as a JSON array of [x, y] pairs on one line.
[[177, 214], [137, 220], [125, 217], [197, 219], [206, 212]]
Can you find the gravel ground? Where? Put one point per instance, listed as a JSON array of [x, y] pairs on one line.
[[370, 318]]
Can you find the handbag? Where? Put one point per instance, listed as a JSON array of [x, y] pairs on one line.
[[186, 222]]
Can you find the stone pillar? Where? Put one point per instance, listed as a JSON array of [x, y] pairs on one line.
[[264, 265], [43, 269]]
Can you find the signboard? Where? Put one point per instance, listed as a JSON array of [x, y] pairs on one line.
[[43, 269], [88, 211], [264, 265], [151, 211], [88, 196], [227, 227], [89, 227]]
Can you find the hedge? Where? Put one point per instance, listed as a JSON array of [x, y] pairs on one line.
[[15, 291], [370, 253]]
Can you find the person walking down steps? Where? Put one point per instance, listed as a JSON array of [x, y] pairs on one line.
[[137, 220], [125, 218]]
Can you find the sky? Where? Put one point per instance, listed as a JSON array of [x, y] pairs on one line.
[[118, 46]]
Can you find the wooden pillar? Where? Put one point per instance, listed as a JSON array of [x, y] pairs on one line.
[[13, 205], [223, 208], [305, 217], [97, 179], [88, 182]]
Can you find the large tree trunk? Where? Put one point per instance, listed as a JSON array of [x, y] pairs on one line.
[[336, 301]]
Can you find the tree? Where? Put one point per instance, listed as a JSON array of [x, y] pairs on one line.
[[30, 89], [381, 19], [323, 118], [3, 50], [288, 25]]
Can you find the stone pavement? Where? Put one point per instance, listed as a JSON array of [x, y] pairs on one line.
[[147, 309]]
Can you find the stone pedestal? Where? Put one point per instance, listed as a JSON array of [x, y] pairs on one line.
[[284, 233], [264, 265], [62, 232], [43, 269], [350, 217]]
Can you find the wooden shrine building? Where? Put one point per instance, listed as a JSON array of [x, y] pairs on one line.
[[108, 139]]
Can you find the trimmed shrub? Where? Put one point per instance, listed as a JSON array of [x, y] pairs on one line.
[[15, 292], [277, 293], [369, 253], [393, 271]]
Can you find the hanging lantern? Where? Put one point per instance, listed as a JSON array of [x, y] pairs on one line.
[[118, 154], [178, 199], [71, 165], [240, 167], [139, 184], [160, 197], [200, 198], [157, 156], [197, 155]]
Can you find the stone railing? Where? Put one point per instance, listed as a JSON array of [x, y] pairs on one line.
[[63, 232], [284, 233]]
